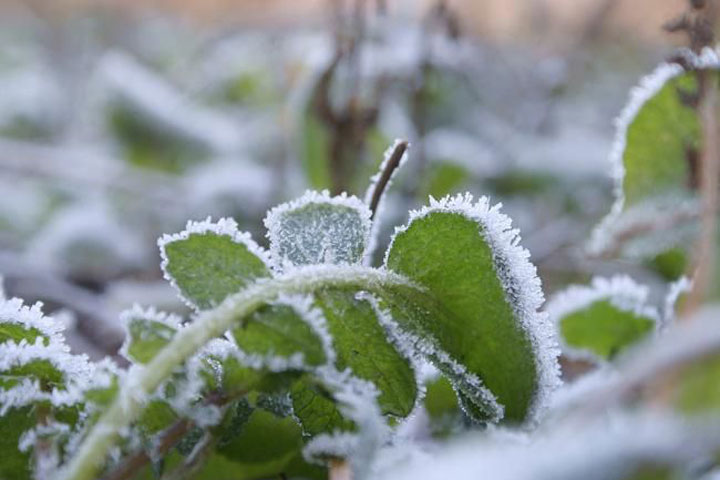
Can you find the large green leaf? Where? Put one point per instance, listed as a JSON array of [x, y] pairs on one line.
[[317, 228], [480, 310], [209, 261], [361, 345]]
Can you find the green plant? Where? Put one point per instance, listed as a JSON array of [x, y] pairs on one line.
[[305, 341]]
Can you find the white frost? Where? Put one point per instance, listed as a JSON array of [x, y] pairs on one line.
[[321, 237]]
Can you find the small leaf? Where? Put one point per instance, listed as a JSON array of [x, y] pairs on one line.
[[20, 322], [317, 228], [487, 292], [147, 332], [209, 261], [286, 333], [262, 446], [361, 345], [599, 321], [316, 409]]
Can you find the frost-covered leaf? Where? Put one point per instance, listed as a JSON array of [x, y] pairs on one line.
[[479, 317], [362, 346], [209, 261], [288, 334], [599, 321], [317, 228], [655, 157], [147, 332], [21, 322]]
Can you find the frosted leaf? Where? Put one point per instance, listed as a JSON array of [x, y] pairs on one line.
[[357, 401], [647, 162], [318, 229], [598, 321], [146, 332], [288, 334], [469, 259], [210, 260], [23, 322]]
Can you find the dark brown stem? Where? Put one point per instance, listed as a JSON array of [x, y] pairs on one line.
[[168, 439], [390, 166]]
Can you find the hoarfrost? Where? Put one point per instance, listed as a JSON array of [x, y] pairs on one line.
[[317, 228], [675, 290], [519, 279]]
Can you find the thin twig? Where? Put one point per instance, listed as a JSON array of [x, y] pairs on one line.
[[340, 470], [390, 166]]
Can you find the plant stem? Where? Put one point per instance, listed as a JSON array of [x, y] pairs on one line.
[[340, 470], [390, 166], [704, 262], [130, 400]]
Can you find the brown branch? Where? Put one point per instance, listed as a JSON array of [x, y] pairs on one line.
[[168, 439], [390, 166]]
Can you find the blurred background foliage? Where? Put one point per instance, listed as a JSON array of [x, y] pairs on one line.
[[121, 120]]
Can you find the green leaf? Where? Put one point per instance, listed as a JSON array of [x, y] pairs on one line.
[[317, 228], [209, 261], [283, 332], [660, 138], [316, 409], [361, 345], [603, 319], [20, 322], [260, 445], [147, 332], [43, 370], [237, 378], [670, 264], [479, 312], [14, 464], [157, 416], [441, 405], [604, 329]]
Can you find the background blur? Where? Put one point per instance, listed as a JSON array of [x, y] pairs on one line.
[[121, 120]]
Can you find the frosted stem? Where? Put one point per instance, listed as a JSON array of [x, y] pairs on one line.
[[210, 324]]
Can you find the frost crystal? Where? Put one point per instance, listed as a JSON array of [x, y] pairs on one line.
[[519, 279], [317, 228], [675, 290], [357, 400]]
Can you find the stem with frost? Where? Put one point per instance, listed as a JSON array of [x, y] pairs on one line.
[[140, 383]]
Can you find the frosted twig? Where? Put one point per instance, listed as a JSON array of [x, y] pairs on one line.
[[386, 174]]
